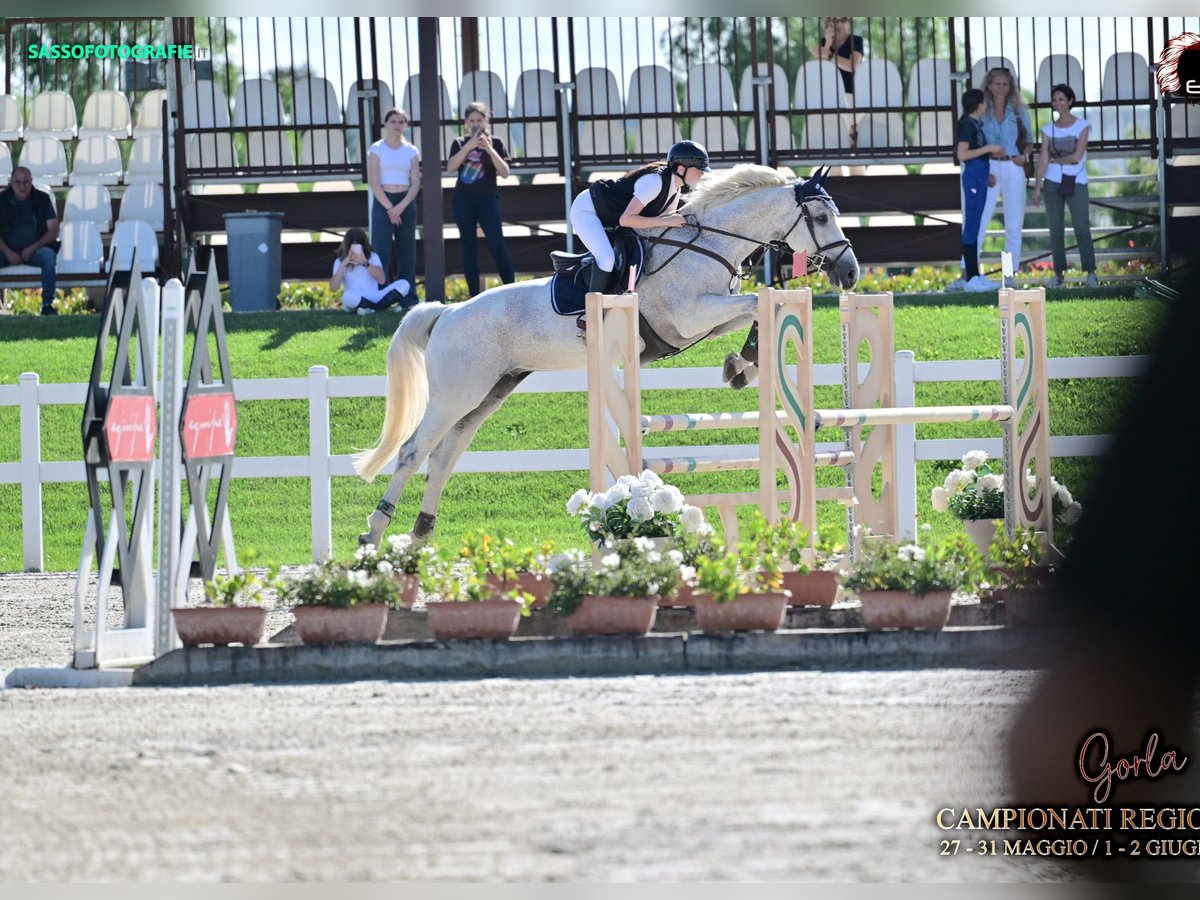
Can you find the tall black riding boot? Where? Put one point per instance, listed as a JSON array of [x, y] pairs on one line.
[[599, 280]]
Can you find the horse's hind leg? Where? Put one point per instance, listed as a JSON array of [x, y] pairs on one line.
[[437, 421], [446, 454]]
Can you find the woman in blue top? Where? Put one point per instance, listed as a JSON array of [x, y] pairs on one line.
[[1006, 122]]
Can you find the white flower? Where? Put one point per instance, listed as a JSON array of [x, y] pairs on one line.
[[973, 459], [611, 561], [991, 482], [651, 478], [385, 567], [568, 559], [705, 530], [653, 557], [400, 542], [675, 557], [618, 493], [911, 553], [642, 489], [643, 544], [687, 573], [957, 480], [359, 577], [667, 499], [941, 500], [640, 510], [627, 480], [1072, 513], [692, 518], [580, 499], [1064, 496], [364, 550], [652, 588]]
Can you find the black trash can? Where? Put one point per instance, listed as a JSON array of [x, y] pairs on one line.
[[255, 260]]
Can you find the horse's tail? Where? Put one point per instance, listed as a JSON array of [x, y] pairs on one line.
[[407, 388]]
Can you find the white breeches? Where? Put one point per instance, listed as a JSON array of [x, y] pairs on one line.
[[587, 227], [1010, 184]]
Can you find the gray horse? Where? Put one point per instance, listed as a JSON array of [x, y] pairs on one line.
[[468, 357]]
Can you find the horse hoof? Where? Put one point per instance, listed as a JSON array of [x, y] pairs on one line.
[[734, 364], [743, 378], [364, 539]]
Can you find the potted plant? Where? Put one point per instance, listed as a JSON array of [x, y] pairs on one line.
[[690, 548], [402, 558], [975, 494], [1021, 580], [636, 506], [909, 585], [808, 573], [524, 568], [743, 590], [476, 604], [620, 595], [234, 612], [334, 603]]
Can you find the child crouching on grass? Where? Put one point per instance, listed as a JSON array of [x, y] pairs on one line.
[[972, 153], [358, 272]]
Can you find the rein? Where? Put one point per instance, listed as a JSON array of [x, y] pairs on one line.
[[817, 260]]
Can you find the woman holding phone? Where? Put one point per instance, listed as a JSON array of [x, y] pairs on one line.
[[479, 158], [358, 274]]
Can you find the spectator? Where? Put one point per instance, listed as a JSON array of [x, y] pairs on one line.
[[642, 198], [479, 158], [358, 272], [1006, 122], [394, 176], [843, 49], [1064, 165], [29, 232], [972, 153]]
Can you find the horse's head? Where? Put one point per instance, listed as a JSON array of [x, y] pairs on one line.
[[828, 249]]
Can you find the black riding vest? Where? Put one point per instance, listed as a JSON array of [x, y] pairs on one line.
[[611, 196]]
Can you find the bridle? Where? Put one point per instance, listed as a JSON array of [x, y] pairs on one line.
[[820, 260]]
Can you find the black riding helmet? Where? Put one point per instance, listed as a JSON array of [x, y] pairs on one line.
[[690, 154]]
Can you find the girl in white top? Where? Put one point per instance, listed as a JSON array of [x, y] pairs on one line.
[[358, 273], [1063, 164], [394, 176]]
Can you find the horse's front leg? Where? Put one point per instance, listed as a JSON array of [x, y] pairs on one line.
[[741, 368]]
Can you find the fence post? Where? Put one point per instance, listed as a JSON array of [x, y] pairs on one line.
[[906, 450], [318, 463], [31, 465]]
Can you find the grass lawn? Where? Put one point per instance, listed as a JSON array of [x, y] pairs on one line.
[[272, 515]]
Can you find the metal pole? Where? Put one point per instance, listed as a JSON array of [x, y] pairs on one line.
[[564, 88], [1161, 116]]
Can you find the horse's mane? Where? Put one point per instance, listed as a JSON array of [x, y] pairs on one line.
[[721, 187]]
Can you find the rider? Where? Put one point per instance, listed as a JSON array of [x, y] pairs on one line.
[[643, 198]]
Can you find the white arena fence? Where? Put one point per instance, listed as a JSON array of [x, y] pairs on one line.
[[320, 466]]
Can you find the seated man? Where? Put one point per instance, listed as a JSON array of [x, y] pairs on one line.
[[29, 231]]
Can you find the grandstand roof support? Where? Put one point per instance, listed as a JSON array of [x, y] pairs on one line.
[[432, 217]]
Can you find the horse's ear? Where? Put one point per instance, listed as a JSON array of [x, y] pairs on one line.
[[819, 176]]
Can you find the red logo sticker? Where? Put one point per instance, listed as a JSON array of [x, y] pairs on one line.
[[209, 426], [130, 427]]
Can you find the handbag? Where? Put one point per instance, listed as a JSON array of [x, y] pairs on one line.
[[1025, 148], [1066, 187]]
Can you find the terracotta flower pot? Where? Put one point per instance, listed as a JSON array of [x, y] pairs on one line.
[[409, 586], [613, 615], [537, 585], [451, 620], [340, 624], [685, 595], [745, 612], [220, 625], [900, 609], [811, 588]]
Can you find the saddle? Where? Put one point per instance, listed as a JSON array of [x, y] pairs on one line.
[[572, 272]]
